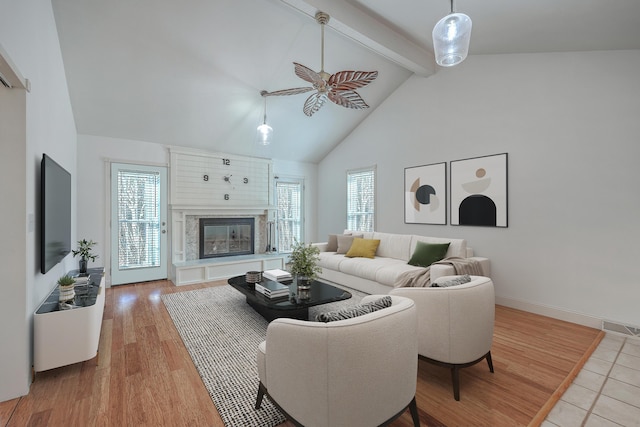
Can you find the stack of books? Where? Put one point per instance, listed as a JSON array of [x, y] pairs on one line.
[[276, 275], [272, 289]]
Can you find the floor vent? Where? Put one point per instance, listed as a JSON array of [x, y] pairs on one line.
[[621, 329]]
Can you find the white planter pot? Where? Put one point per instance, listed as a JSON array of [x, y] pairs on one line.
[[66, 293]]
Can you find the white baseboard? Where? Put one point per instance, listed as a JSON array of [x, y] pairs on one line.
[[556, 313]]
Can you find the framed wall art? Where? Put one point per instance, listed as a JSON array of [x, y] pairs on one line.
[[479, 191], [425, 194]]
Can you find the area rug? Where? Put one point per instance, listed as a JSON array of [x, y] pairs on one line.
[[222, 332]]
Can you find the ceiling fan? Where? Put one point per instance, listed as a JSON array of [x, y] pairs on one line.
[[339, 87]]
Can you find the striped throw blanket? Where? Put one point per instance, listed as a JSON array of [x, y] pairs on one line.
[[422, 278]]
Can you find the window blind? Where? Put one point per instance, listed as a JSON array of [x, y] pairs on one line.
[[138, 219], [289, 217], [361, 186]]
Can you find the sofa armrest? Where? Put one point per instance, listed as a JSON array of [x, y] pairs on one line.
[[321, 245], [439, 270], [485, 264]]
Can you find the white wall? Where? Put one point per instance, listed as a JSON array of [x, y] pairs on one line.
[[570, 123], [44, 125]]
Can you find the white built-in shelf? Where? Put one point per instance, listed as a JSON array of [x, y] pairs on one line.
[[210, 269]]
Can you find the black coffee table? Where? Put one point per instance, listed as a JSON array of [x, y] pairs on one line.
[[288, 306]]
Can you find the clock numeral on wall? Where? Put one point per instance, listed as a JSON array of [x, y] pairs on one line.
[[226, 197], [205, 178], [226, 162], [246, 180]]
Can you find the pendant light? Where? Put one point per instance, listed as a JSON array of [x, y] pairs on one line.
[[451, 37], [264, 131]]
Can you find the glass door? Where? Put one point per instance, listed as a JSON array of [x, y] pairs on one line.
[[138, 223]]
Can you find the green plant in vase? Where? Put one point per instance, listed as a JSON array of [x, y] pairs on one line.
[[85, 252], [303, 265]]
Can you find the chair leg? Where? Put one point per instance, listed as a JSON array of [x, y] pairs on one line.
[[490, 362], [261, 391], [413, 408], [455, 378]]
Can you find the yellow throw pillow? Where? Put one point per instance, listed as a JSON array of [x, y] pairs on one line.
[[364, 248]]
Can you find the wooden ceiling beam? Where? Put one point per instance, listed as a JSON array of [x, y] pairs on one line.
[[371, 33]]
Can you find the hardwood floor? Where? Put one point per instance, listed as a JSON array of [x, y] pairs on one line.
[[144, 374]]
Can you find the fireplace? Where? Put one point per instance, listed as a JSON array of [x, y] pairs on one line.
[[226, 237]]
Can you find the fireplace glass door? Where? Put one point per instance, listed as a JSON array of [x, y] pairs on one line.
[[226, 237]]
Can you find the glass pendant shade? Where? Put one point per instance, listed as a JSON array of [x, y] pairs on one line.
[[451, 38], [264, 134]]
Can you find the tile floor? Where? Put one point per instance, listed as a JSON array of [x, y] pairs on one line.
[[606, 392]]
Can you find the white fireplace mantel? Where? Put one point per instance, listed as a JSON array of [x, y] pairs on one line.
[[221, 210]]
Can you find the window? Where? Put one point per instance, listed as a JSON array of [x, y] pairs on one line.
[[361, 190], [289, 217], [138, 219]]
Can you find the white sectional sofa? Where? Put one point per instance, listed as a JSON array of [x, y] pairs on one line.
[[379, 274]]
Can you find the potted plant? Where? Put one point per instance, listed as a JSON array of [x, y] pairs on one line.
[[84, 250], [303, 265], [66, 284]]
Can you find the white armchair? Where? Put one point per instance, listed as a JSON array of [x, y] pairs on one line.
[[455, 324], [355, 372]]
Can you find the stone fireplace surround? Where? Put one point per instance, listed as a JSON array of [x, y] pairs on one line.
[[192, 233]]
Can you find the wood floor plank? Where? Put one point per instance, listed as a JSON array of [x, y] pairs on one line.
[[103, 359], [144, 375], [6, 410]]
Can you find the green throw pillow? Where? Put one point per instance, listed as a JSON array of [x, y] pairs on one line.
[[426, 254]]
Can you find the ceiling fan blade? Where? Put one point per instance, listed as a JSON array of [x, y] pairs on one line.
[[348, 99], [292, 91], [314, 103], [307, 74], [350, 80]]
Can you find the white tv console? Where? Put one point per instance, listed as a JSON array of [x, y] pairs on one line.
[[63, 337]]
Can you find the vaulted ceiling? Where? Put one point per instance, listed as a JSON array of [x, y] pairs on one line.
[[190, 72]]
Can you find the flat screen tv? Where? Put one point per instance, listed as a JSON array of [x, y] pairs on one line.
[[55, 213]]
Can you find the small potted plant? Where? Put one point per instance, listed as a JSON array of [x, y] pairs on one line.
[[66, 284], [303, 265], [84, 250]]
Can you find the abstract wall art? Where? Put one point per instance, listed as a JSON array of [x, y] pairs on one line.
[[479, 191], [425, 194]]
